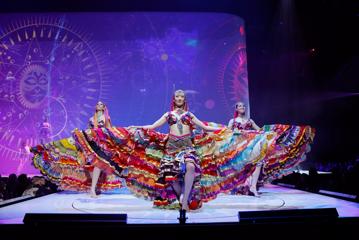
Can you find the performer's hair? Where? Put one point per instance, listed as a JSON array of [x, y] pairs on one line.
[[173, 103], [107, 116]]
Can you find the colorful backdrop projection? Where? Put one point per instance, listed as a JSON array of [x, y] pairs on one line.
[[55, 67]]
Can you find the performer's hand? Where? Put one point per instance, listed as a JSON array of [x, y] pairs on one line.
[[131, 129]]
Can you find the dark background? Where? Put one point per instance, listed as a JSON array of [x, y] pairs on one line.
[[303, 61]]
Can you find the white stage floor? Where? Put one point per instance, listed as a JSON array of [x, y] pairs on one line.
[[223, 209]]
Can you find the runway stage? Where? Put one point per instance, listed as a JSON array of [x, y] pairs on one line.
[[223, 209]]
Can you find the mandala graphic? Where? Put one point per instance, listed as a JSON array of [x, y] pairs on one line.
[[50, 73]]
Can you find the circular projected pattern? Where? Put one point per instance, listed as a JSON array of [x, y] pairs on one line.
[[44, 64]]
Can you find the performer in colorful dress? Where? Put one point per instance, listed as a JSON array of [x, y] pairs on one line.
[[100, 119], [241, 122], [287, 147], [64, 164], [180, 168]]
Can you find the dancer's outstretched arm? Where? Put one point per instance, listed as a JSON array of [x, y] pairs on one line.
[[254, 125], [202, 125], [156, 124]]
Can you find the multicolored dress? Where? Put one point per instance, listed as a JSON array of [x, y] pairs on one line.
[[159, 160], [65, 163], [278, 148], [177, 152], [150, 162]]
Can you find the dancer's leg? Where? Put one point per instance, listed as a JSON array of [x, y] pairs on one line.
[[254, 180], [255, 154], [177, 188], [188, 182], [95, 176]]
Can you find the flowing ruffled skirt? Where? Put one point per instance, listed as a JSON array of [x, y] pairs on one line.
[[69, 162], [150, 161], [277, 148]]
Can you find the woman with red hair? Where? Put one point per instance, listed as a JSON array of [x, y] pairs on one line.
[[100, 119], [273, 150], [240, 121], [76, 163], [179, 167]]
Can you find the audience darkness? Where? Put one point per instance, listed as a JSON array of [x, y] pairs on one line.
[[343, 178], [17, 186]]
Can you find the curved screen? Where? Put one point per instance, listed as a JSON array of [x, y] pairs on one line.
[[55, 67]]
